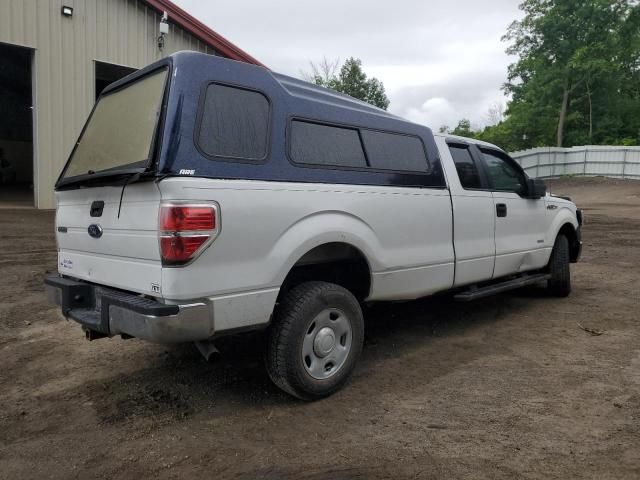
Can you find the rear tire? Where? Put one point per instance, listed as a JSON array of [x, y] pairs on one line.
[[559, 285], [315, 340]]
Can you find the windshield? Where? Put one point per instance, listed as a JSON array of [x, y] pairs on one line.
[[121, 129]]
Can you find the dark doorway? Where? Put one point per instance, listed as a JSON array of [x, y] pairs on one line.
[[107, 73], [16, 126]]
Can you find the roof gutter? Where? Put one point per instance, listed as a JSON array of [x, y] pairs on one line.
[[199, 30]]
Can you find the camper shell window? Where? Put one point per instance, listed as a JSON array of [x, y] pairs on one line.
[[392, 151], [327, 145], [324, 145], [234, 123], [120, 132]]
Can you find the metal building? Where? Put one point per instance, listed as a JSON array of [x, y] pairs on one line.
[[56, 56]]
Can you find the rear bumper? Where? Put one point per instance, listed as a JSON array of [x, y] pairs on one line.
[[111, 312]]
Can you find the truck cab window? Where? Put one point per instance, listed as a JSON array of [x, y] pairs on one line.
[[465, 166], [502, 174]]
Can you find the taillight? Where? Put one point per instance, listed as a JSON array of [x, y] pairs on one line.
[[185, 230]]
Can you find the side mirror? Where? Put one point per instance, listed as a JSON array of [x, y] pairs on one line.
[[536, 188]]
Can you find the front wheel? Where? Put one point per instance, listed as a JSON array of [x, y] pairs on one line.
[[315, 340], [559, 284]]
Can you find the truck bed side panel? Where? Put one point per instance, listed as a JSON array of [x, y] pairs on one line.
[[405, 234]]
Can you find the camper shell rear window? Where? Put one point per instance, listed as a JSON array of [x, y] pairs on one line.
[[120, 133]]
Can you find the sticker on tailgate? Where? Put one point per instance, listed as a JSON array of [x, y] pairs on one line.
[[66, 263]]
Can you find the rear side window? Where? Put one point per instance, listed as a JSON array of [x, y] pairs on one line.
[[465, 166], [234, 123], [316, 144], [391, 151]]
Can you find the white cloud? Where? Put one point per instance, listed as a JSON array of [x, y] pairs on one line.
[[438, 61], [434, 112]]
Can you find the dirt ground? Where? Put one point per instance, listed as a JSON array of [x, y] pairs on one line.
[[507, 387]]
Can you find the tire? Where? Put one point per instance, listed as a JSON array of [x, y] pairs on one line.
[[315, 340], [559, 285]]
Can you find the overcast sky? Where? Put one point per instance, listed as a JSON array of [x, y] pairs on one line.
[[439, 61]]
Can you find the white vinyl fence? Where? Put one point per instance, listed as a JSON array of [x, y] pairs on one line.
[[608, 161]]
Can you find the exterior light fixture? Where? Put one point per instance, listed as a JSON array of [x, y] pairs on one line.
[[67, 11], [164, 30]]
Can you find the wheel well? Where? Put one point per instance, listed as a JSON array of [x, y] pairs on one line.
[[336, 262], [574, 244]]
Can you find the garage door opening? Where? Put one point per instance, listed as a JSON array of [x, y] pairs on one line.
[[16, 127], [107, 73]]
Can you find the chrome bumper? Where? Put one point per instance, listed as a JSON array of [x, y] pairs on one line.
[[108, 312], [190, 324]]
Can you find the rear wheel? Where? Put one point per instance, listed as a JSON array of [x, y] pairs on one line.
[[559, 284], [315, 340]]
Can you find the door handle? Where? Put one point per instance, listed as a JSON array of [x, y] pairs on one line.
[[96, 208], [501, 209]]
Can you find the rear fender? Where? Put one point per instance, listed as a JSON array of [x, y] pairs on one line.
[[321, 228]]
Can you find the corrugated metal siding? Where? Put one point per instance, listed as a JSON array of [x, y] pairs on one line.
[[608, 161], [122, 32]]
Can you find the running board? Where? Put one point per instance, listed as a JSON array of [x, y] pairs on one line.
[[474, 292]]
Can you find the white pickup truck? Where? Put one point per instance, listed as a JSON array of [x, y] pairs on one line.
[[207, 197]]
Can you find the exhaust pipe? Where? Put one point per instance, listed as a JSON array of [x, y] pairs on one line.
[[208, 350]]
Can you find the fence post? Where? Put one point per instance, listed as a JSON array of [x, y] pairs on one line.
[[584, 166], [624, 162], [537, 164]]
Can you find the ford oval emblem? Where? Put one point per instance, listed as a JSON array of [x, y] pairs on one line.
[[95, 230]]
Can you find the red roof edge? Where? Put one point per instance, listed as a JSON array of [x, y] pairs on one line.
[[199, 30]]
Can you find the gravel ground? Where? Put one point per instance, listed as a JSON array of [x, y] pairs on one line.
[[506, 387]]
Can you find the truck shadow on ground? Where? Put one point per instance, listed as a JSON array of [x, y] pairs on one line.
[[177, 382]]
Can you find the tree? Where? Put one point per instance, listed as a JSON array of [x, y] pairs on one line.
[[565, 49], [463, 129], [495, 114], [351, 80], [321, 73]]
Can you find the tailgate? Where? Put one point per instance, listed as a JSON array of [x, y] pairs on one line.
[[117, 246]]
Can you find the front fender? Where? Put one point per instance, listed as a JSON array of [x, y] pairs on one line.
[[563, 216]]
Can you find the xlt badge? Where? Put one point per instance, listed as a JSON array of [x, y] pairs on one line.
[[95, 230]]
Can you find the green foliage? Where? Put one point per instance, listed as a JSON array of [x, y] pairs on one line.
[[351, 80], [577, 77], [463, 129]]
